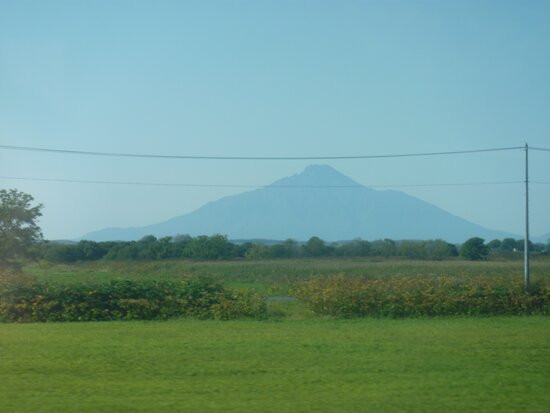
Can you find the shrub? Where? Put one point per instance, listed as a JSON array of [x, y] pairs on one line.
[[345, 296], [22, 300]]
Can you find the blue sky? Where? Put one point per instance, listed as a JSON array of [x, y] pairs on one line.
[[272, 78]]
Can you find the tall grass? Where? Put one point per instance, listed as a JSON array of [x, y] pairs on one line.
[[399, 296], [276, 277]]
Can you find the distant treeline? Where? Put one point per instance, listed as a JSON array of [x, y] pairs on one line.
[[218, 247]]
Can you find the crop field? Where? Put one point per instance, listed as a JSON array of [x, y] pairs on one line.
[[275, 277], [289, 359]]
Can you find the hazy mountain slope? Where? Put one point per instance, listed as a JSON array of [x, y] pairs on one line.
[[544, 238], [345, 211]]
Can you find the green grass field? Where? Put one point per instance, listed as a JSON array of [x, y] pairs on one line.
[[292, 362], [429, 365]]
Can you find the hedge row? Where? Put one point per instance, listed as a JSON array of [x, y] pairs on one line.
[[24, 301], [345, 296]]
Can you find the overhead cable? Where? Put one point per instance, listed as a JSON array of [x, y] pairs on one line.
[[79, 181], [250, 158]]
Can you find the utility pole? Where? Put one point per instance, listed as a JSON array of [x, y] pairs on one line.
[[526, 240]]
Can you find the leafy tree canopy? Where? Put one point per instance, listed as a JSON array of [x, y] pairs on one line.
[[474, 249], [19, 230]]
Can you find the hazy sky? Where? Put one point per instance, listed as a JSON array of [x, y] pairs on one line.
[[272, 78]]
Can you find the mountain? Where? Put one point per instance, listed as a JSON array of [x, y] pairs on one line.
[[295, 207], [542, 238]]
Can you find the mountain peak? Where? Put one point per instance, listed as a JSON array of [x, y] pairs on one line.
[[318, 175]]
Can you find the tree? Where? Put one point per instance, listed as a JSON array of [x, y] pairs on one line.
[[384, 248], [474, 249], [208, 248], [18, 228], [316, 247], [520, 245], [354, 248], [495, 245], [286, 249], [257, 252], [508, 244], [438, 249]]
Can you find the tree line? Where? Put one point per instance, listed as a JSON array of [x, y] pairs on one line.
[[218, 247]]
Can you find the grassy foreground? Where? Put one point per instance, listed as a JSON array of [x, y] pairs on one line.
[[461, 364]]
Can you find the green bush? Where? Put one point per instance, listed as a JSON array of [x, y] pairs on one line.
[[23, 300], [345, 296]]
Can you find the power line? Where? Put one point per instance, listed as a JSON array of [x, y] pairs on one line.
[[79, 181], [250, 158]]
